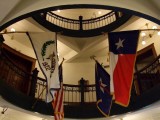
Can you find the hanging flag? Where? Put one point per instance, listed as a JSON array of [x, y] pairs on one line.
[[45, 47], [57, 102], [104, 98], [122, 47]]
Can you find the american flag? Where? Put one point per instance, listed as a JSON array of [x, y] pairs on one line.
[[57, 102]]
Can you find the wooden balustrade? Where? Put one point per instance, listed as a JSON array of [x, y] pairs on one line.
[[82, 27], [147, 77], [81, 24], [72, 93]]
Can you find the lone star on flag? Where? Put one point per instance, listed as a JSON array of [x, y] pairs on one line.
[[102, 86], [119, 43]]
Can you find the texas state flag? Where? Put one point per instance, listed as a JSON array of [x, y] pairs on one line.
[[122, 47]]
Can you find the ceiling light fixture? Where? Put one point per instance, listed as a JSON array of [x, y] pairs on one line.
[[154, 29], [4, 109], [58, 11]]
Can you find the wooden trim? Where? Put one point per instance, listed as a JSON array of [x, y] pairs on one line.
[[136, 85], [32, 60], [139, 54], [151, 46]]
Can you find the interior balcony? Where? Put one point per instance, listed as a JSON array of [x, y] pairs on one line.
[[82, 27]]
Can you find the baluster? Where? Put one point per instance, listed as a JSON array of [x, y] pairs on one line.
[[68, 96], [106, 20], [56, 20], [49, 18], [92, 94], [111, 18], [99, 22], [62, 23], [70, 25], [59, 22], [72, 93], [89, 94], [67, 23], [76, 96], [73, 25], [38, 88]]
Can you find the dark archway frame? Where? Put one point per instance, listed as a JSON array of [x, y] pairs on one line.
[[79, 6]]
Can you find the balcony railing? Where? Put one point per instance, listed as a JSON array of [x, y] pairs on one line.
[[82, 27], [81, 24], [72, 93], [148, 77]]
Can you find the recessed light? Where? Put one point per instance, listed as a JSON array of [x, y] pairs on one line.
[[36, 112], [143, 42], [143, 34], [154, 27], [13, 30], [99, 12]]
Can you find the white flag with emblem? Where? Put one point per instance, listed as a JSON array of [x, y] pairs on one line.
[[45, 47]]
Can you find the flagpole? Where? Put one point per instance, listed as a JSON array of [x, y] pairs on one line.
[[63, 60], [5, 32], [12, 32], [93, 57], [62, 32], [38, 97], [103, 33]]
